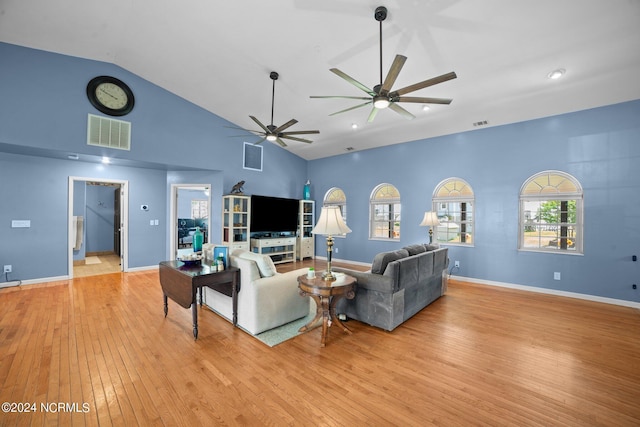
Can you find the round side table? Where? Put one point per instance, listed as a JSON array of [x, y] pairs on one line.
[[326, 294]]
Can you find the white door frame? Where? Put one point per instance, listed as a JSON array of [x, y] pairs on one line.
[[124, 220], [173, 213]]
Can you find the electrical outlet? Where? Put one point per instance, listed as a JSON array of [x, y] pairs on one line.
[[7, 269], [556, 275], [456, 264], [335, 250]]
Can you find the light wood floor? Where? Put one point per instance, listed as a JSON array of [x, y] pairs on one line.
[[478, 356], [108, 263]]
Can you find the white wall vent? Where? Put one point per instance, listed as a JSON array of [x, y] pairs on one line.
[[111, 133]]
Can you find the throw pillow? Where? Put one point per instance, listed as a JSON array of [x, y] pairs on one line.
[[415, 249], [265, 264], [381, 260]]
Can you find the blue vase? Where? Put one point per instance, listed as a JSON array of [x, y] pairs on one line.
[[307, 191], [197, 240]]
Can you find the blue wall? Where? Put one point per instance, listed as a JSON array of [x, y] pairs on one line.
[[44, 106], [600, 147], [99, 221], [43, 114]]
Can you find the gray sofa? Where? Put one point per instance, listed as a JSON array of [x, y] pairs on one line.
[[400, 284]]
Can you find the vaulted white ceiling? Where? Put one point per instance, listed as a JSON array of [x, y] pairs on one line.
[[218, 55]]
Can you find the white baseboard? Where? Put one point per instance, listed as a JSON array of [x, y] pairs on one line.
[[346, 261], [147, 268], [13, 283], [556, 292], [9, 284]]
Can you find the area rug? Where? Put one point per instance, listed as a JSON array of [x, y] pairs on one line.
[[278, 335], [92, 260]]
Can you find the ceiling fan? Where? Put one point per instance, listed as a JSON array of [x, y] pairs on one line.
[[381, 96], [277, 134]]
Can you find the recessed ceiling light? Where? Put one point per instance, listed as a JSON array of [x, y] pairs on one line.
[[556, 74], [354, 126], [425, 108]]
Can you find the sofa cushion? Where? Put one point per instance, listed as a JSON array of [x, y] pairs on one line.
[[264, 262], [415, 249], [381, 260]]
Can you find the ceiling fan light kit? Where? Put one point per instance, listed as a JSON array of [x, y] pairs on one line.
[[274, 133], [381, 96]]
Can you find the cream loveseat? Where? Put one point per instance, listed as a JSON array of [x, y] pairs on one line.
[[267, 299]]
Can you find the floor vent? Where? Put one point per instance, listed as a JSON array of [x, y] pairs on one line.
[[111, 133]]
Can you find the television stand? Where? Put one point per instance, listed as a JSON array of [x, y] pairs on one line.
[[280, 249]]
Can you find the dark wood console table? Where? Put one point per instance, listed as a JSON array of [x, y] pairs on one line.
[[182, 283]]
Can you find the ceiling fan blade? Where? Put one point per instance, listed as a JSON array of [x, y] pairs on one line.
[[397, 65], [352, 108], [372, 114], [284, 126], [300, 132], [281, 142], [260, 124], [422, 100], [423, 84], [404, 113], [341, 97], [353, 81], [249, 132], [293, 138], [236, 128]]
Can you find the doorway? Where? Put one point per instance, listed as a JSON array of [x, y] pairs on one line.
[[190, 209], [98, 221]]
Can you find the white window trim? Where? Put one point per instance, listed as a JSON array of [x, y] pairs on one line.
[[389, 201], [578, 197], [342, 206], [436, 203]]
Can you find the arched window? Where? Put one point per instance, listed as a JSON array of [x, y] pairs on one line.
[[384, 213], [336, 197], [551, 215], [453, 200]]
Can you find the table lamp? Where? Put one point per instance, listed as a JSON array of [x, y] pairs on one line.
[[430, 219], [330, 223]]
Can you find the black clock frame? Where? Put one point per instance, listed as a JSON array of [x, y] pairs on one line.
[[91, 94]]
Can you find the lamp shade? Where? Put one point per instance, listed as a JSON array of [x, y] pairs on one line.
[[430, 219], [330, 222]]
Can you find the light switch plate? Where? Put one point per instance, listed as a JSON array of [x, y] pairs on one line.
[[20, 223]]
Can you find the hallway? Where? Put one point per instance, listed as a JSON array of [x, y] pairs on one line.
[[98, 264]]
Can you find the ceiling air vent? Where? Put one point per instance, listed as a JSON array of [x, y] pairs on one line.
[[481, 123], [111, 133]]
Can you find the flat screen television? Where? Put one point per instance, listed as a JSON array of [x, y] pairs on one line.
[[273, 214]]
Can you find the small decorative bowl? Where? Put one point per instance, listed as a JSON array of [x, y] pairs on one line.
[[191, 261]]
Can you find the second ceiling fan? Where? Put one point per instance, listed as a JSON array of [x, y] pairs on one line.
[[381, 96], [277, 134]]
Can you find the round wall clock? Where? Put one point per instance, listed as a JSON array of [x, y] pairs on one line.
[[110, 95]]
